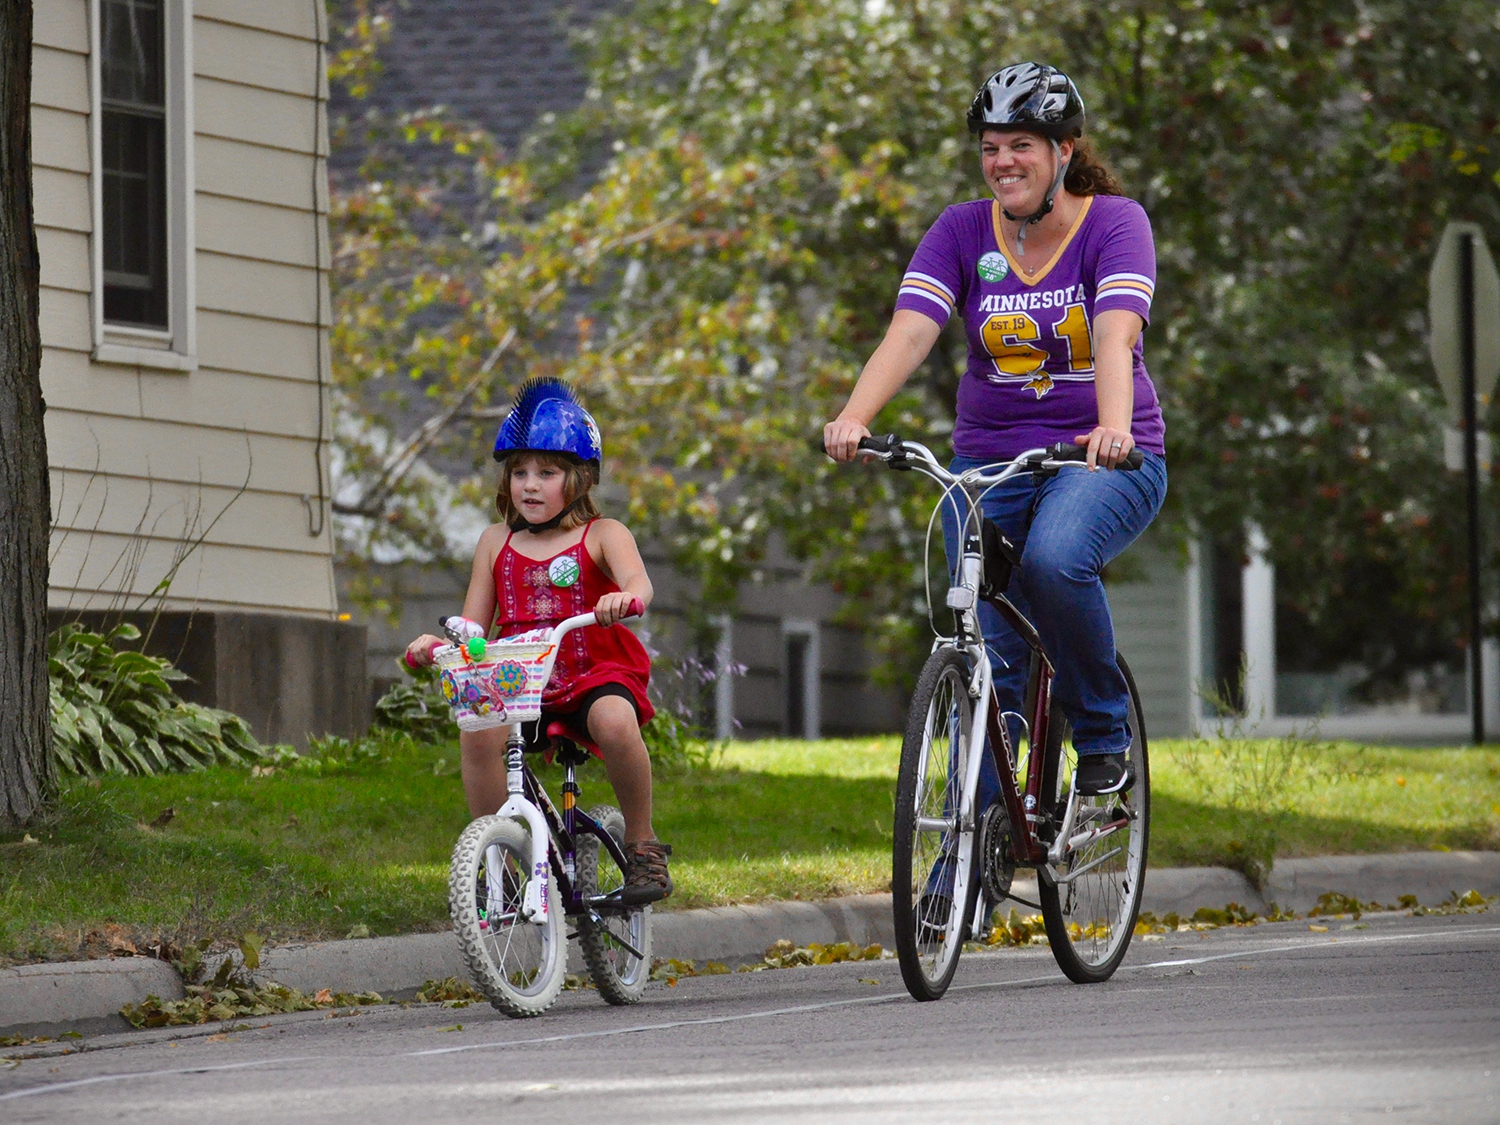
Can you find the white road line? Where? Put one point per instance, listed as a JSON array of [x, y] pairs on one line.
[[741, 1017], [54, 1087], [638, 1028]]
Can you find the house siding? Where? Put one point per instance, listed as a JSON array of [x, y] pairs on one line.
[[1151, 629], [236, 442]]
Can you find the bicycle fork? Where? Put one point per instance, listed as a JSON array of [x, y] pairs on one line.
[[517, 807]]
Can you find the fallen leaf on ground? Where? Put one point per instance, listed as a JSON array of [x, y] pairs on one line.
[[454, 1027], [1318, 929], [323, 996], [222, 1037]]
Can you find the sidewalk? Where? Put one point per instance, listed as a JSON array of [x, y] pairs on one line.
[[41, 999]]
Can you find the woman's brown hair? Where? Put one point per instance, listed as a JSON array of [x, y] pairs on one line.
[[578, 478], [1088, 174]]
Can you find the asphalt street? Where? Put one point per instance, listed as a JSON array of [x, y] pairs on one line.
[[1390, 1019]]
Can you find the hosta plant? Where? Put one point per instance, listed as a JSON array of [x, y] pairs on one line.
[[115, 711]]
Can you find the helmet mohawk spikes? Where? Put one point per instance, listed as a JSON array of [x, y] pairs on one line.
[[529, 396], [548, 418]]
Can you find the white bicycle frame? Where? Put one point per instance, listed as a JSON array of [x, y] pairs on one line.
[[963, 599], [518, 806]]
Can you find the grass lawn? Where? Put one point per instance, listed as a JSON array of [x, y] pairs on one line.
[[366, 846]]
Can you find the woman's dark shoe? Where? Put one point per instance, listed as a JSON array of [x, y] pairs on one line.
[[646, 875], [1099, 774]]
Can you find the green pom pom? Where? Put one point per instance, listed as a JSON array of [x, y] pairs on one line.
[[475, 645]]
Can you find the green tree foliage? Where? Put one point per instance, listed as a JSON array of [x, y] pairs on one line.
[[710, 245]]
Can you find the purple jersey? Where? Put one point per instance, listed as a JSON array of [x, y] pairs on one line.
[[1030, 378]]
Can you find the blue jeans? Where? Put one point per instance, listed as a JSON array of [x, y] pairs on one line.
[[1067, 528]]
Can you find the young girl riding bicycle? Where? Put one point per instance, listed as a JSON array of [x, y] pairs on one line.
[[553, 556]]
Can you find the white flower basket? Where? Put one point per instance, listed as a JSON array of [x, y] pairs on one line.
[[501, 687]]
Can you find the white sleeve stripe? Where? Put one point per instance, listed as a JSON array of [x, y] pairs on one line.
[[931, 280], [912, 290], [1115, 293], [1126, 277]]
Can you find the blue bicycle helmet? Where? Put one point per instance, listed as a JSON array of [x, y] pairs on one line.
[[548, 418]]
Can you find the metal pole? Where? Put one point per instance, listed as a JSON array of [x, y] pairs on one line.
[[1471, 476]]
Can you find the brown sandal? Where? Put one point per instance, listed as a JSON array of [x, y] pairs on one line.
[[646, 875]]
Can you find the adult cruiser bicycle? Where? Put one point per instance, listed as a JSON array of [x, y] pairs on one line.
[[1089, 853], [519, 876]]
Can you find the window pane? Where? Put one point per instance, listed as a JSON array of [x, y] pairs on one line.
[[1344, 647], [135, 219], [130, 39]]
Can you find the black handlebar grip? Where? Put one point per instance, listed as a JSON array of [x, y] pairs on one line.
[[890, 443], [1063, 451]]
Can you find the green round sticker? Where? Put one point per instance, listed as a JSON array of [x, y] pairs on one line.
[[563, 571], [993, 266]]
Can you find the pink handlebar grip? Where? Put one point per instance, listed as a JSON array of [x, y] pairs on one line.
[[637, 608]]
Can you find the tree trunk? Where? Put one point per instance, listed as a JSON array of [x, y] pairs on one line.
[[26, 771]]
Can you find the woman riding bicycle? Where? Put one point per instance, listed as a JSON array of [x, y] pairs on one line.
[[1053, 278]]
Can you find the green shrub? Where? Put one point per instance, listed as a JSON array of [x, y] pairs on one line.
[[332, 756], [416, 707], [115, 711]]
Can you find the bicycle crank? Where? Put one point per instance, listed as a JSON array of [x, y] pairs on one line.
[[998, 866]]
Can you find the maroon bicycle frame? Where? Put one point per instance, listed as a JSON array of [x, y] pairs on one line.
[[1025, 811]]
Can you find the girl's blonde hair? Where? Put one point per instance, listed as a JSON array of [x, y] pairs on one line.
[[578, 478]]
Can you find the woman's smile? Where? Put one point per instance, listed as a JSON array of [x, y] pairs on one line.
[[1018, 167]]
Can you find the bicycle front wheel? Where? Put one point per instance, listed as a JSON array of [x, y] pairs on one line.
[[519, 965], [932, 892], [619, 974], [1090, 918]]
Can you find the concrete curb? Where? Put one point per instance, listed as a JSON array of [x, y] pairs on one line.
[[40, 999], [69, 992]]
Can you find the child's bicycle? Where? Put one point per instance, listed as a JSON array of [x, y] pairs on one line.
[[516, 874], [1089, 852]]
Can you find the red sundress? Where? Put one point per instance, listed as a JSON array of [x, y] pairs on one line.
[[527, 596]]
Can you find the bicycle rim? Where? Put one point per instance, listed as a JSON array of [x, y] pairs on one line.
[[932, 893], [518, 965], [1091, 919], [619, 974]]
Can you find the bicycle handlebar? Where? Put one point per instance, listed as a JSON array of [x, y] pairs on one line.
[[456, 632], [901, 455]]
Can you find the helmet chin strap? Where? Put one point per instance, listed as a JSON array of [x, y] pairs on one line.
[[1046, 208], [520, 522]]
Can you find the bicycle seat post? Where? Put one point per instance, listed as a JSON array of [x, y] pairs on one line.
[[570, 793]]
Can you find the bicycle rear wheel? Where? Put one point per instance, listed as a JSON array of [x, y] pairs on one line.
[[518, 965], [1090, 919], [619, 974], [934, 875]]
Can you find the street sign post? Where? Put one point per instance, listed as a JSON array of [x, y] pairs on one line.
[[1463, 307]]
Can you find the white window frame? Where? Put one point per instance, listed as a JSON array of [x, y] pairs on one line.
[[1258, 628], [175, 349], [812, 676]]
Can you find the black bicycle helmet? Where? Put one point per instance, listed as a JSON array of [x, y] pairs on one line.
[[1037, 99], [1040, 99]]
